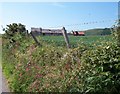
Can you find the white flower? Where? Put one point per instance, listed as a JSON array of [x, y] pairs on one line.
[[108, 47]]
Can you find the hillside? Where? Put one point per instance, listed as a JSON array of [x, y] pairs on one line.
[[98, 31]]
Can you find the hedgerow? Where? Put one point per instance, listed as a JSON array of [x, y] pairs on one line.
[[85, 69]]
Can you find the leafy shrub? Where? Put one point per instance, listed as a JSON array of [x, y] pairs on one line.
[[118, 36], [15, 33], [101, 69]]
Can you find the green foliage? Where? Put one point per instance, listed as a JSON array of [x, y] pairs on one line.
[[116, 32], [15, 32], [118, 36], [86, 68], [105, 31], [101, 69]]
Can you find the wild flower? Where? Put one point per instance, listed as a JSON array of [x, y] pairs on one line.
[[27, 69], [38, 75], [37, 67], [20, 74]]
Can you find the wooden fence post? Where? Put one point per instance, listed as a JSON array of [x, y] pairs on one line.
[[35, 39], [66, 37]]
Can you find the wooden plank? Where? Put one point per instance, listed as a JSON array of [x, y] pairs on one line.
[[66, 37], [35, 39]]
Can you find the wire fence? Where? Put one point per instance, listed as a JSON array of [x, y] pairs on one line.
[[85, 23], [68, 39]]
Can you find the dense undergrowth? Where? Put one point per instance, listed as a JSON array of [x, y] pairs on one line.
[[85, 69]]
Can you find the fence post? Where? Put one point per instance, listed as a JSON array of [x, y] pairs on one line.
[[66, 37], [35, 39]]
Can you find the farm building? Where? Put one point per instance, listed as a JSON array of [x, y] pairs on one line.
[[40, 31], [78, 33], [36, 31]]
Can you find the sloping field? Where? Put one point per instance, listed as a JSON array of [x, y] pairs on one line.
[[75, 40]]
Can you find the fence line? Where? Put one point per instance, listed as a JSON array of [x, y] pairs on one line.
[[35, 39], [85, 23], [66, 37], [63, 31]]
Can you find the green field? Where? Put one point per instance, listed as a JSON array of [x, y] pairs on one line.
[[75, 40]]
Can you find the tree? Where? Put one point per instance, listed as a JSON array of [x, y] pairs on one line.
[[15, 32]]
